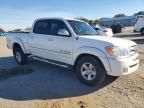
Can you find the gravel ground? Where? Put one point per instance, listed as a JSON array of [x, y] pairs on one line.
[[41, 85]]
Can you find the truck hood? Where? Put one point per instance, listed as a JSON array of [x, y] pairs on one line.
[[110, 40]]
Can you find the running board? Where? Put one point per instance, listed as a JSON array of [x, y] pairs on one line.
[[51, 62]]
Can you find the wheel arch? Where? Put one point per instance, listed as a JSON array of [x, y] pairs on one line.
[[96, 53], [18, 43], [17, 48], [83, 55]]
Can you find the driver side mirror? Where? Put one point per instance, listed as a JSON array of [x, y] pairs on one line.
[[63, 32]]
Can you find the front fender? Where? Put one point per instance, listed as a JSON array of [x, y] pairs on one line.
[[20, 42], [95, 52]]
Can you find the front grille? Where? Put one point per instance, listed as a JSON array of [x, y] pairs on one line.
[[133, 50]]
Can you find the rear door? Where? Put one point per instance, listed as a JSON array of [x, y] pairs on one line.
[[37, 40]]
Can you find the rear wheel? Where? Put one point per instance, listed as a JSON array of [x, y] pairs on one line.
[[90, 71], [142, 31], [20, 57]]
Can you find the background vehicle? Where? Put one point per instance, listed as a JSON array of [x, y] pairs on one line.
[[139, 26], [75, 44], [117, 28], [104, 31], [125, 21]]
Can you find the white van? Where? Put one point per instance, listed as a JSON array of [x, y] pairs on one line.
[[139, 26]]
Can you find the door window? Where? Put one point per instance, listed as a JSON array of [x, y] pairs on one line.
[[49, 27], [57, 25], [42, 27]]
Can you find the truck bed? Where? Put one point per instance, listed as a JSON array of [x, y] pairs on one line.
[[22, 37]]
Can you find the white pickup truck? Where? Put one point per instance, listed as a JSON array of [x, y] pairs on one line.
[[71, 43]]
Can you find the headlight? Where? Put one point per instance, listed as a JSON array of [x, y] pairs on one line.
[[117, 51]]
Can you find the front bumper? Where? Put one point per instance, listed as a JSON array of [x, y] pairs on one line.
[[123, 66]]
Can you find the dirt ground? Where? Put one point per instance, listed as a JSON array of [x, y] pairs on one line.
[[41, 85]]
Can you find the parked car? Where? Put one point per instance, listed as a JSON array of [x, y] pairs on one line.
[[117, 28], [139, 26], [104, 31], [74, 44]]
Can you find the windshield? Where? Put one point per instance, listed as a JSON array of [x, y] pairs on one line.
[[82, 28]]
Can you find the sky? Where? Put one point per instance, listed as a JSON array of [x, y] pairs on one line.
[[21, 13]]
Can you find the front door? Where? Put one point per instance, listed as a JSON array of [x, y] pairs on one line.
[[59, 48]]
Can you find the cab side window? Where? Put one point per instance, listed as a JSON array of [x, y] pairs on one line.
[[42, 27], [49, 27]]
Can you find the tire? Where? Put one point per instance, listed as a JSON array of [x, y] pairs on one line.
[[142, 31], [118, 29], [113, 28], [97, 72], [20, 57]]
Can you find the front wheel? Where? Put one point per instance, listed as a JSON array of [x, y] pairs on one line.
[[90, 71], [20, 57]]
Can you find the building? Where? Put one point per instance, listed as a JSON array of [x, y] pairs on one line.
[[124, 21]]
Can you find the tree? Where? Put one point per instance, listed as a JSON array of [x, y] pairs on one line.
[[95, 22], [1, 30], [28, 29], [83, 19], [90, 22], [103, 18], [139, 13], [17, 30], [119, 15]]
